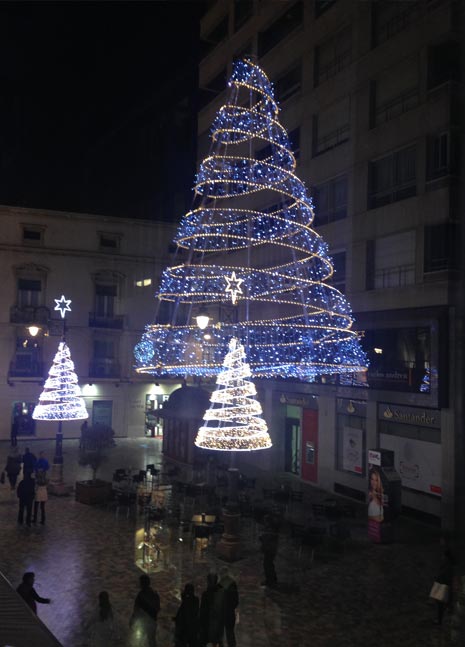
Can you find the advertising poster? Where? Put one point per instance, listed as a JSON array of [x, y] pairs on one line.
[[352, 450], [418, 463]]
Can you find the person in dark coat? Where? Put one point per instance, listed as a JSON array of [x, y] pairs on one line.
[[269, 548], [26, 493], [146, 608], [29, 462], [231, 602], [187, 619], [13, 466], [27, 591], [212, 612]]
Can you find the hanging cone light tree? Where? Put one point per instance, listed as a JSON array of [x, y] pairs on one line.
[[233, 422], [61, 398], [248, 257]]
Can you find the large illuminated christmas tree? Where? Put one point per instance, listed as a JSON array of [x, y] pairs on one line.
[[249, 259], [234, 422], [61, 398]]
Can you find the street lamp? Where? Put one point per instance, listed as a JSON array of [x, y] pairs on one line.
[[33, 330], [202, 319]]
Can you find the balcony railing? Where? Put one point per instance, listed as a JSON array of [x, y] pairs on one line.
[[116, 322], [108, 368], [29, 314], [19, 368]]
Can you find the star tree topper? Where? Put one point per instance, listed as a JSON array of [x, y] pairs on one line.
[[63, 305], [234, 286]]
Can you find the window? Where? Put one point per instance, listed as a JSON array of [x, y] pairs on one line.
[[439, 247], [391, 261], [214, 38], [338, 280], [294, 140], [243, 10], [330, 201], [104, 363], [105, 297], [33, 235], [280, 28], [443, 63], [323, 5], [289, 83], [392, 178], [441, 156], [212, 89], [331, 128], [143, 283], [27, 360], [29, 292], [395, 93], [109, 242], [332, 56], [391, 17]]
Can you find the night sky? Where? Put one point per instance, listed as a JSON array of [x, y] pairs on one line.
[[97, 105]]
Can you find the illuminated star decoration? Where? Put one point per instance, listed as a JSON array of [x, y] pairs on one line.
[[234, 286], [62, 305]]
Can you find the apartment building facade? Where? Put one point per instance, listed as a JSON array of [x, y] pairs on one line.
[[109, 269], [370, 95]]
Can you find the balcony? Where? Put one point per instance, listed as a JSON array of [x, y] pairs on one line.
[[115, 322], [28, 315], [25, 366], [105, 368]]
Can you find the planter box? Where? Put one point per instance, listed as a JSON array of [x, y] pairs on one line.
[[92, 493]]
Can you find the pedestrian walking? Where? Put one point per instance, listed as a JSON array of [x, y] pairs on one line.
[[26, 492], [41, 496], [269, 547], [231, 604], [13, 466], [143, 621], [29, 461], [42, 463], [212, 613], [186, 632], [102, 627], [27, 591], [14, 432]]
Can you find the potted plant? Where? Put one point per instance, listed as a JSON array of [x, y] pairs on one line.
[[96, 439]]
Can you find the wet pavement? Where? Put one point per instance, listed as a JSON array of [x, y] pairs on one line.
[[351, 592]]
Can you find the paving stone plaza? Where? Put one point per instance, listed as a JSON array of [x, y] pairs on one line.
[[350, 593]]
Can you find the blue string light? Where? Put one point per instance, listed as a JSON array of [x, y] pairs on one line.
[[251, 220]]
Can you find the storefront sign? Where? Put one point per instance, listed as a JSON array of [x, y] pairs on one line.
[[410, 415], [305, 401]]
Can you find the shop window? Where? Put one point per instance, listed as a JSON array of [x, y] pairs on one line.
[[399, 358], [351, 437], [153, 422], [439, 247], [102, 412], [392, 178], [280, 28], [330, 201], [333, 56], [214, 38]]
